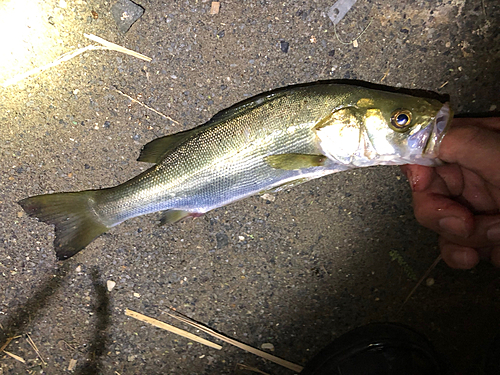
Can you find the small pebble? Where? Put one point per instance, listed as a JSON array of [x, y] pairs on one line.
[[215, 7], [110, 285], [284, 46], [78, 269], [125, 13], [268, 197], [430, 281], [267, 346], [137, 295]]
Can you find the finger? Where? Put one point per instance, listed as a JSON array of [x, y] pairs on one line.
[[495, 256], [478, 193], [486, 232], [453, 178], [492, 123], [457, 256], [443, 215], [474, 148], [433, 206], [418, 176]]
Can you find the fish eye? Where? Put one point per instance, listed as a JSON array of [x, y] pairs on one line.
[[400, 119]]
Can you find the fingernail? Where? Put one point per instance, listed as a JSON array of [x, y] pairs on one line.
[[493, 234], [455, 226]]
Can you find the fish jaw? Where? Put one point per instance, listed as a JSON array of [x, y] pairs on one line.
[[423, 145]]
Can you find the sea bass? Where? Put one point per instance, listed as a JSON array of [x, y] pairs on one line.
[[272, 141]]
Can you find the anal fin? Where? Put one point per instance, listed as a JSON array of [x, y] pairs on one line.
[[173, 216]]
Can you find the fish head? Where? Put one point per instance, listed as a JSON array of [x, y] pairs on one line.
[[393, 130]]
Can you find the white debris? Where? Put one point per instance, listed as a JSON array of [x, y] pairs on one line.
[[340, 9], [110, 285], [268, 197], [267, 346]]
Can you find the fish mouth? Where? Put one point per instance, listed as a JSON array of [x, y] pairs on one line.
[[439, 126], [429, 138]]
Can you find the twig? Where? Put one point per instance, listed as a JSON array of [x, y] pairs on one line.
[[32, 343], [385, 75], [68, 56], [145, 106], [72, 364], [16, 357], [69, 346], [168, 327], [355, 39], [116, 47], [63, 58], [433, 265], [250, 368], [248, 348], [6, 343]]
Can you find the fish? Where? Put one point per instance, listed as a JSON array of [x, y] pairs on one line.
[[270, 142]]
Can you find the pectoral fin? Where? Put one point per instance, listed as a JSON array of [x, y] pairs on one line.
[[295, 161]]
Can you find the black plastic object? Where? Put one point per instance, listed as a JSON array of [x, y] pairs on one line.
[[377, 349]]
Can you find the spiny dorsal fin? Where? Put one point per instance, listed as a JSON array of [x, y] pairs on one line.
[[295, 161], [154, 151]]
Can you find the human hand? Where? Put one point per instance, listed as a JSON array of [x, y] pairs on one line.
[[461, 200]]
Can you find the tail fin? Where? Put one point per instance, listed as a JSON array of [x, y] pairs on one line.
[[73, 215]]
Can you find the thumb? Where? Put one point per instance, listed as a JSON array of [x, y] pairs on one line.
[[475, 148]]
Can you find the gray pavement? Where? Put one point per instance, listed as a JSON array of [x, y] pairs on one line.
[[295, 270]]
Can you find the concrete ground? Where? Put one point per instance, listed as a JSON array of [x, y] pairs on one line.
[[295, 272]]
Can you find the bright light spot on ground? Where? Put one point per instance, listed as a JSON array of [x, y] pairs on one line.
[[26, 36]]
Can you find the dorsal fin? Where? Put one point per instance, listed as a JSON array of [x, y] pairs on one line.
[[154, 151]]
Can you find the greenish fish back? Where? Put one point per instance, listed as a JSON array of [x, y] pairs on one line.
[[245, 106]]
